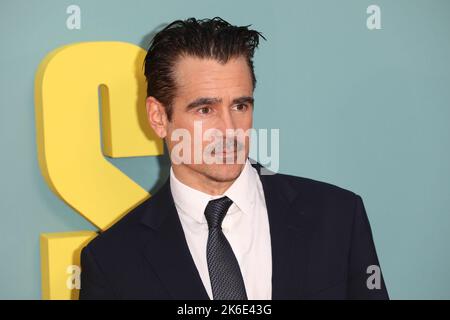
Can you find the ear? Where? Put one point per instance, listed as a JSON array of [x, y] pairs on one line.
[[156, 116]]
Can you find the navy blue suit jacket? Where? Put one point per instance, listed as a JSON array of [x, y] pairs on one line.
[[321, 247]]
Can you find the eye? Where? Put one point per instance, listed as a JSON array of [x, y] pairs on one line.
[[241, 107], [204, 110]]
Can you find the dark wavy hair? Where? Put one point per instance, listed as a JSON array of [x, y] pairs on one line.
[[207, 38]]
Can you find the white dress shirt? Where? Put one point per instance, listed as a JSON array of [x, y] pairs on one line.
[[246, 227]]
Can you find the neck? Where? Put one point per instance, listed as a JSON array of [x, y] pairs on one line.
[[200, 181]]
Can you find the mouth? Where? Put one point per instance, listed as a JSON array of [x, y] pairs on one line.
[[225, 154]]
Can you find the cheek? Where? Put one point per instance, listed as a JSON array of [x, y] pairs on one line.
[[181, 123], [245, 122]]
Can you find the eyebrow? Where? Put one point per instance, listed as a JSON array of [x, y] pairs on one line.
[[212, 101]]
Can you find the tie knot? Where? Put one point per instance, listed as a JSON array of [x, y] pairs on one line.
[[216, 210]]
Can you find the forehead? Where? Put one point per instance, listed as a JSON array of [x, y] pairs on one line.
[[207, 77]]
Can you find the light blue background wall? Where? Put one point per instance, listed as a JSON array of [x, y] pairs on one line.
[[366, 110]]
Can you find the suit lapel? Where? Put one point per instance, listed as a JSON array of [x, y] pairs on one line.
[[167, 251], [289, 231], [166, 248]]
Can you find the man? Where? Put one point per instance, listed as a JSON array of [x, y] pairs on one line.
[[225, 229]]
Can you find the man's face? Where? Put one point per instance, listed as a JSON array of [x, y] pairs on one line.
[[213, 97]]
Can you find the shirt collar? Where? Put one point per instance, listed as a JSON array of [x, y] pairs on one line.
[[193, 202]]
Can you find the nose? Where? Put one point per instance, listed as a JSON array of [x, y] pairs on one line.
[[227, 121]]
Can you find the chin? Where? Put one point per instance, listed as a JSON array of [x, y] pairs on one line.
[[222, 172]]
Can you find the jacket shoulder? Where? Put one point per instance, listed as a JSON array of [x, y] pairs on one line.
[[310, 187], [122, 234]]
